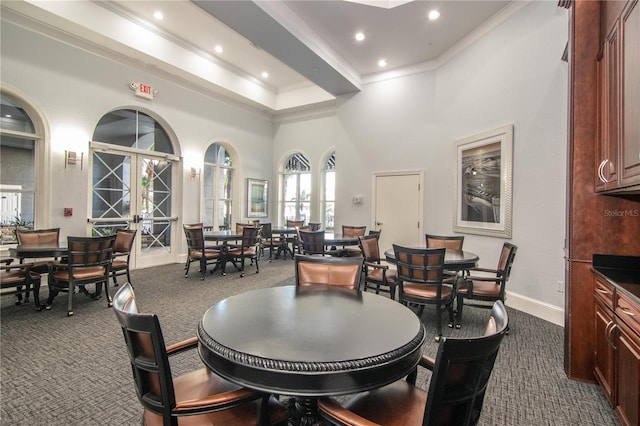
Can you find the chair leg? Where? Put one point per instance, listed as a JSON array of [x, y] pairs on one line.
[[70, 300], [459, 306], [106, 292], [203, 268], [186, 268]]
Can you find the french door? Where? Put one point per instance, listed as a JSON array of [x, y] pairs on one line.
[[132, 189]]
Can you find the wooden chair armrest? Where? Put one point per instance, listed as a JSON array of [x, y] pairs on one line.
[[488, 279], [487, 270], [216, 401], [185, 345], [341, 414], [26, 266], [427, 362], [377, 265]]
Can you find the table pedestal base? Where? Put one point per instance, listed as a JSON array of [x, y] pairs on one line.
[[303, 411]]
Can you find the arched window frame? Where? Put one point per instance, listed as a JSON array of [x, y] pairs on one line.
[[40, 189], [328, 200], [295, 189], [217, 203]]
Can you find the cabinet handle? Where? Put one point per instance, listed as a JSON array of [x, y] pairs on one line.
[[627, 311], [601, 171], [602, 290], [608, 332]]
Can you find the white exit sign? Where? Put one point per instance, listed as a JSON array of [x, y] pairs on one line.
[[144, 91]]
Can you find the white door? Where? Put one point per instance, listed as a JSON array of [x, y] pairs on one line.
[[134, 190], [398, 208]]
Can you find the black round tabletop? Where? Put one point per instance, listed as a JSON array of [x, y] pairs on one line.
[[310, 342], [453, 259]]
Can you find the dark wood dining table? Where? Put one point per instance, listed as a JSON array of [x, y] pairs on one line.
[[454, 260], [284, 248], [44, 251], [224, 237], [307, 343]]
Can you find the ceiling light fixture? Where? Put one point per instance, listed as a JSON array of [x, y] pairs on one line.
[[158, 15], [265, 74], [218, 48], [434, 14], [360, 36], [382, 63]]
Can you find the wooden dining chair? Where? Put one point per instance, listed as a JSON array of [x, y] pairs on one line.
[[420, 281], [197, 251], [327, 271], [122, 254], [21, 278], [88, 262], [35, 238], [352, 231], [248, 249], [197, 397], [450, 242], [377, 272], [459, 379], [484, 285], [311, 242]]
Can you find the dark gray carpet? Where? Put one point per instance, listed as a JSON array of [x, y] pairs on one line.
[[74, 371]]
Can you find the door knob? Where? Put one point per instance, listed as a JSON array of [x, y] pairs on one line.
[[378, 223]]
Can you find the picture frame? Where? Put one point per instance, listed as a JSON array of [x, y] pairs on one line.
[[257, 197], [483, 183]]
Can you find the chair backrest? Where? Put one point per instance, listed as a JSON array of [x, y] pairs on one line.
[[461, 373], [312, 242], [353, 231], [507, 256], [195, 236], [315, 226], [90, 251], [250, 236], [267, 233], [375, 233], [38, 237], [240, 227], [124, 240], [453, 242], [342, 272], [418, 265], [370, 248], [294, 223], [147, 355]]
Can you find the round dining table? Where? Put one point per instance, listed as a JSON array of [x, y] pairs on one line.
[[454, 260], [308, 342]]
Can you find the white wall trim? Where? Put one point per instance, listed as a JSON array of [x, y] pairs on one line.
[[534, 307]]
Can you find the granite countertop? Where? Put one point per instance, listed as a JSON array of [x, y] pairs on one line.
[[621, 271]]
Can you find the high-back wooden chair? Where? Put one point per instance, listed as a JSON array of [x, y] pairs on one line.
[[453, 242], [19, 276], [376, 271], [460, 375], [122, 254], [311, 242], [485, 284], [198, 397], [248, 249], [88, 262], [420, 275], [196, 250], [328, 271], [352, 231]]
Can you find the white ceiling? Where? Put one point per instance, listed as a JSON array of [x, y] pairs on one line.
[[307, 46]]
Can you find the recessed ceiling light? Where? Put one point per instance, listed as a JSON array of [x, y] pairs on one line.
[[265, 74], [382, 63], [360, 36], [434, 14], [158, 15], [218, 48]]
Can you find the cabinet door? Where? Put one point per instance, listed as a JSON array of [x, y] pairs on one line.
[[628, 375], [609, 112], [629, 167], [603, 350]]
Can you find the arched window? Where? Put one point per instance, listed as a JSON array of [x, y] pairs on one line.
[[18, 180], [329, 192], [218, 187], [296, 189]]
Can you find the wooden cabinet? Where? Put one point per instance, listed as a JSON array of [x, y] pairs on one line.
[[627, 360], [618, 73], [617, 349], [603, 348]]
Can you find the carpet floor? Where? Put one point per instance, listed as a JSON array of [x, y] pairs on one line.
[[59, 370]]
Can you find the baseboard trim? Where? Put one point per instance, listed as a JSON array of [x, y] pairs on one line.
[[536, 308]]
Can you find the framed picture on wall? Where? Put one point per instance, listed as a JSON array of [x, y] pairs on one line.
[[483, 183], [257, 197]]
